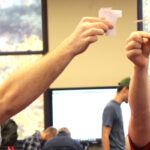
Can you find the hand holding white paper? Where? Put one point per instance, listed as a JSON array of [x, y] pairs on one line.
[[111, 16]]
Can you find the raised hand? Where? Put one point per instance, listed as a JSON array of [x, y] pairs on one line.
[[86, 33], [138, 48]]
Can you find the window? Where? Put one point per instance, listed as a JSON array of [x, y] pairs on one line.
[[144, 14], [23, 27], [23, 31], [31, 118]]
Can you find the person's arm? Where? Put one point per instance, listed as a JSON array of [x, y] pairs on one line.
[[108, 119], [26, 85], [105, 138], [138, 50]]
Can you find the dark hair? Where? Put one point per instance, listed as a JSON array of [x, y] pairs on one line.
[[9, 133], [119, 88]]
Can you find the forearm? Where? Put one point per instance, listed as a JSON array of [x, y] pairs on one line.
[[139, 91], [106, 144], [26, 85], [138, 51], [139, 102]]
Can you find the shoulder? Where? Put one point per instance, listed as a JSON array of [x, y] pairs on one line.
[[109, 107], [112, 103], [78, 144]]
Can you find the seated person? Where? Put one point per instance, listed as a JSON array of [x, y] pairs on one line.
[[37, 140], [62, 141]]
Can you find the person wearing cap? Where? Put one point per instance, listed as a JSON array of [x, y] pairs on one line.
[[138, 52], [112, 124]]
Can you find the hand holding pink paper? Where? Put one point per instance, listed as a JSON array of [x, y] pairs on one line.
[[111, 16]]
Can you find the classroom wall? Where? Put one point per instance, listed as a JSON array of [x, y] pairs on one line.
[[104, 63]]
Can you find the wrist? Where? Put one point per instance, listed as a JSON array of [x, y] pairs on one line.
[[143, 66], [139, 69], [69, 47], [65, 48]]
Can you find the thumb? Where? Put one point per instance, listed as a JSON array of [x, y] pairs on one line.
[[145, 40]]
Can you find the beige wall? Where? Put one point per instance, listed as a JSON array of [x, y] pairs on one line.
[[104, 63]]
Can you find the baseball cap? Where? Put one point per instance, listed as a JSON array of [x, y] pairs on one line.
[[124, 82]]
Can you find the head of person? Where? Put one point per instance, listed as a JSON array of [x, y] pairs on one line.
[[64, 129], [123, 89], [49, 133], [9, 133]]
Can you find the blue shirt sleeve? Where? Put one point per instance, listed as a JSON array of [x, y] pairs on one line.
[[108, 116]]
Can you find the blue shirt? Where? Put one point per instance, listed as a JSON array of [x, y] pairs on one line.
[[62, 142], [112, 117]]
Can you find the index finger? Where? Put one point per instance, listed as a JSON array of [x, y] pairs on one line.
[[138, 36], [109, 24], [96, 19]]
